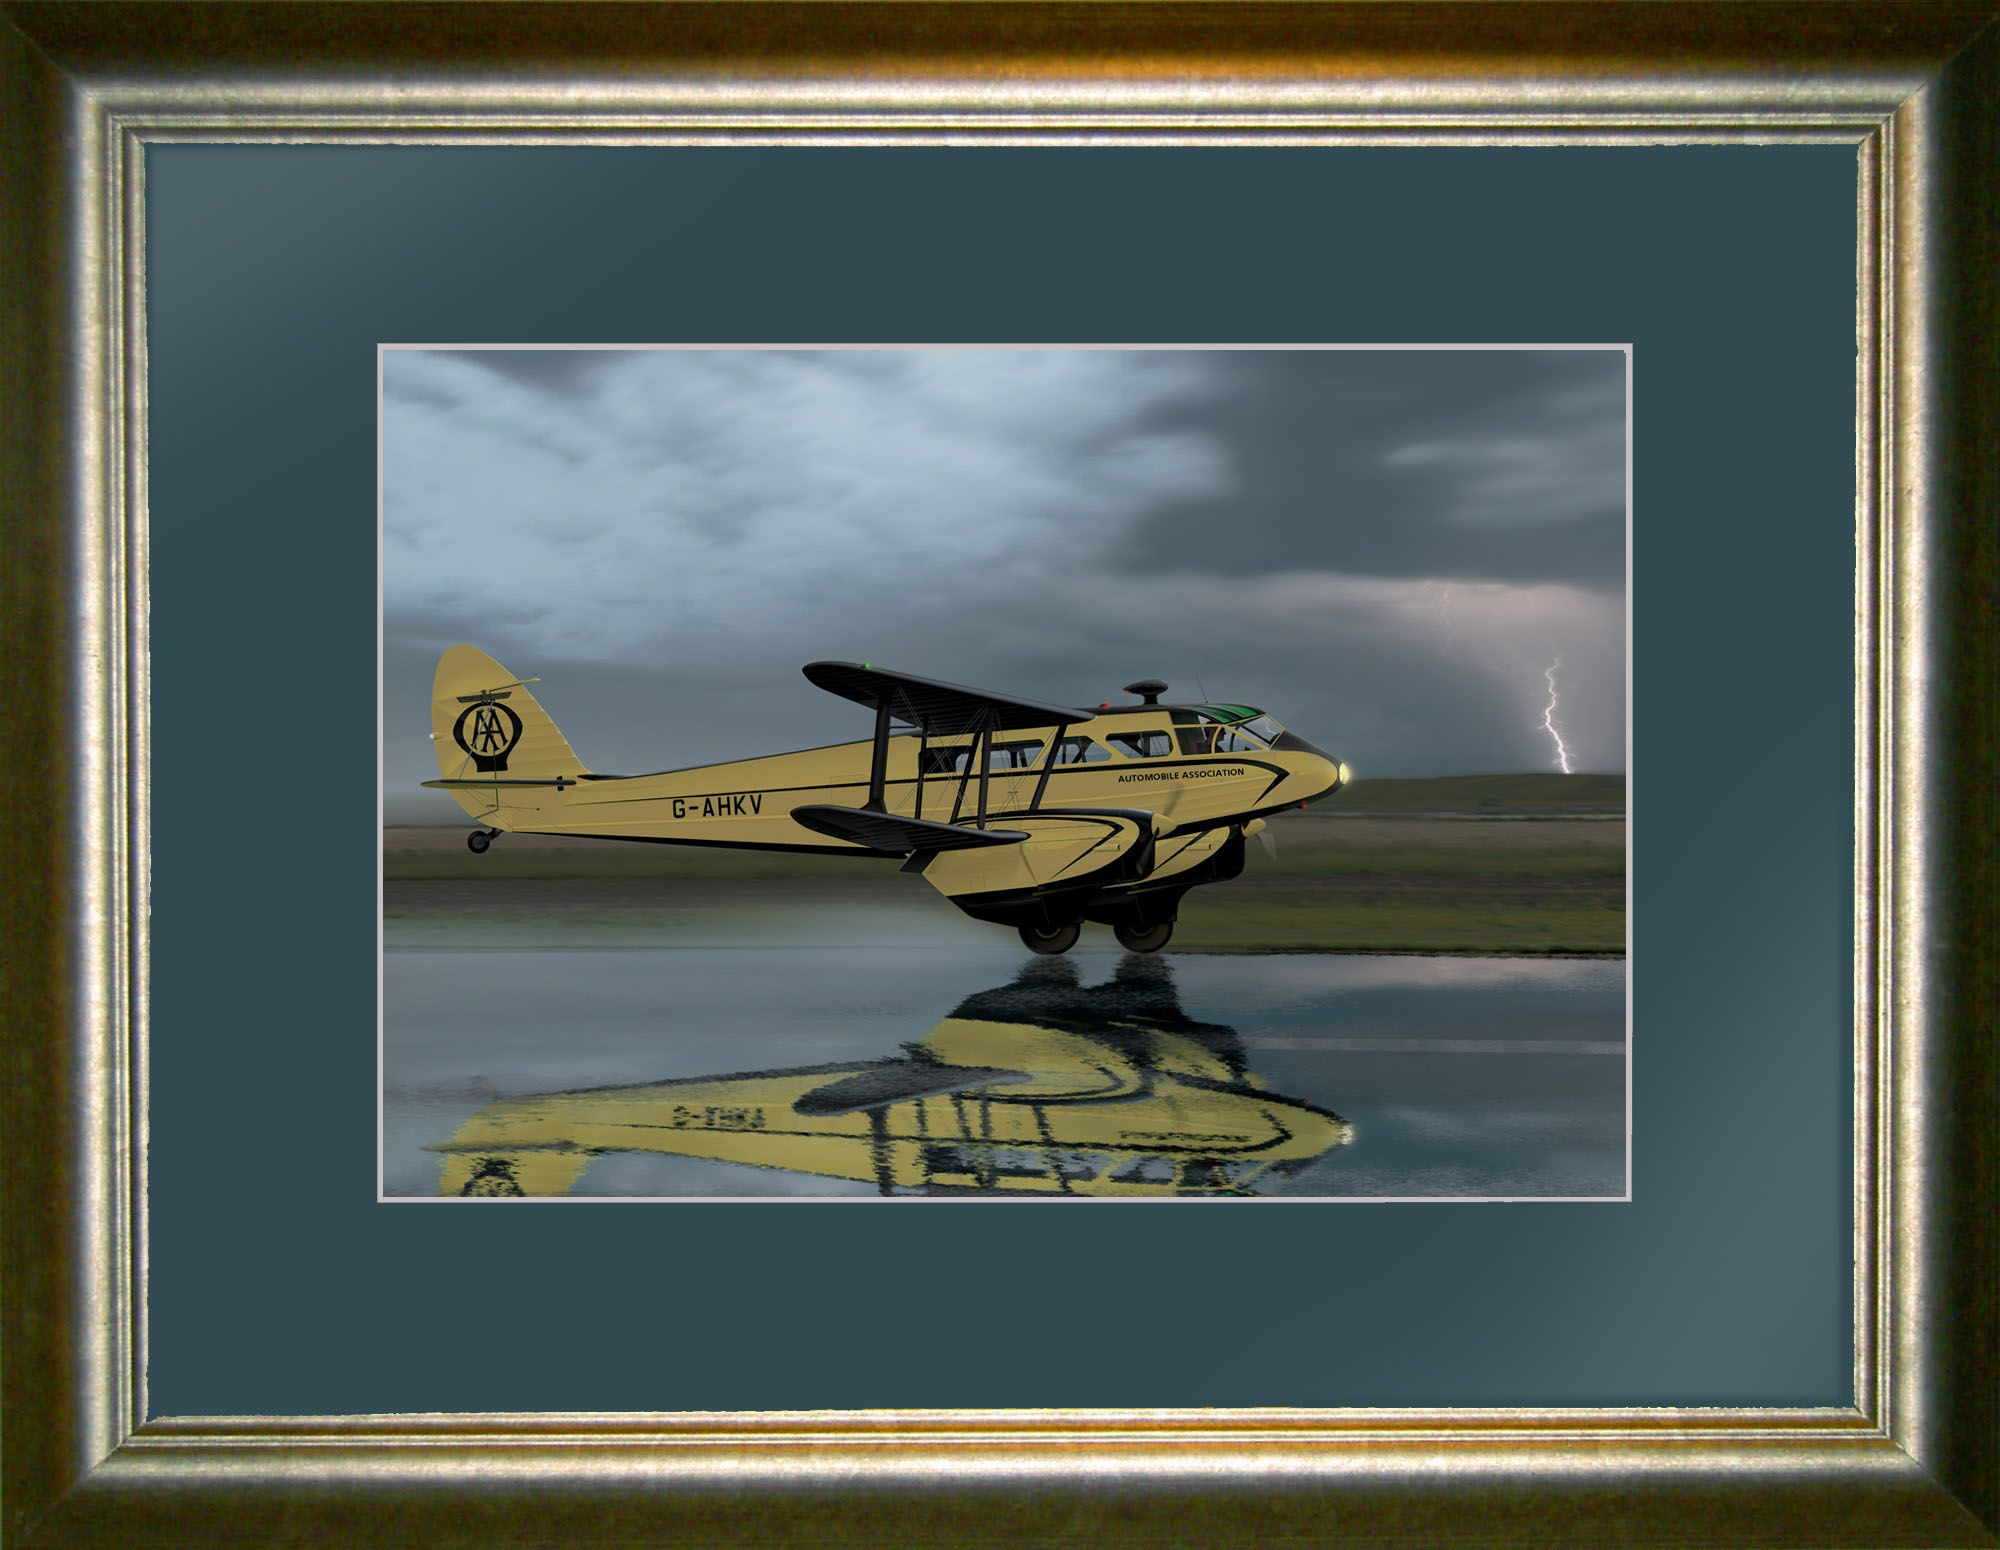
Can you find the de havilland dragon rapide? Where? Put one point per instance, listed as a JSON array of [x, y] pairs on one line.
[[1030, 815]]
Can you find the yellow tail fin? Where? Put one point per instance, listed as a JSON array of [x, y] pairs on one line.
[[485, 723]]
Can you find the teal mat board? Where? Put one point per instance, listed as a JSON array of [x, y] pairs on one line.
[[277, 1284]]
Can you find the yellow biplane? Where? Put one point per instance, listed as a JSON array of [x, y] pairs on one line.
[[1035, 816], [1044, 1086]]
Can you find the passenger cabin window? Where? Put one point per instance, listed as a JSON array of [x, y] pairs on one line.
[[1142, 745], [1004, 756], [1014, 756], [1081, 750]]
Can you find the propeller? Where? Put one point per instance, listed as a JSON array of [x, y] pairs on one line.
[[1269, 841]]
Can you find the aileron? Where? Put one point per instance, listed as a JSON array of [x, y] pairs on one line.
[[936, 709]]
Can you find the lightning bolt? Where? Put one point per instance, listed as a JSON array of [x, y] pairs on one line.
[[1549, 717], [1443, 598]]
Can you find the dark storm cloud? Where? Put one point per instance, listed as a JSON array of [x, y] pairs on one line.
[[401, 388], [562, 373], [1386, 549], [1479, 465]]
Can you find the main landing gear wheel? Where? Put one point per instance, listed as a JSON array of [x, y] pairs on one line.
[[1059, 940], [479, 839], [1149, 940]]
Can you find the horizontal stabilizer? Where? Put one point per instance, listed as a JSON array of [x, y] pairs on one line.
[[898, 836], [899, 1082], [937, 709], [558, 781]]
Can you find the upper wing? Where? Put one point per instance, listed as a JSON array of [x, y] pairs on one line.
[[937, 709]]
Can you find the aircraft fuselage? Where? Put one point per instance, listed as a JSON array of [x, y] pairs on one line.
[[749, 802], [1107, 815]]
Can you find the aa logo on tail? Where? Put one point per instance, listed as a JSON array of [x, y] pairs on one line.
[[487, 730]]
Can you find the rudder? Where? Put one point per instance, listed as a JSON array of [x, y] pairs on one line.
[[484, 722]]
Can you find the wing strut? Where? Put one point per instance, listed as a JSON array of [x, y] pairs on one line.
[[983, 745], [1048, 763], [878, 771], [936, 710]]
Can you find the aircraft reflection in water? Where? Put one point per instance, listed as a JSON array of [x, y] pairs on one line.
[[1044, 1086]]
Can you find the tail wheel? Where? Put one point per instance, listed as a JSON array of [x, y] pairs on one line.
[[1150, 939], [1058, 940], [478, 840]]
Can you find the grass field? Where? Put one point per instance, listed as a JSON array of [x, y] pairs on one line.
[[1419, 866], [1518, 796]]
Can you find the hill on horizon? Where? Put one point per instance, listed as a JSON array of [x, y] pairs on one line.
[[1520, 793]]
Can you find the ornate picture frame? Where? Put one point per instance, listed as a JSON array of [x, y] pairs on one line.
[[1911, 87]]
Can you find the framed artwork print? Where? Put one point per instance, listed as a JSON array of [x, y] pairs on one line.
[[900, 279]]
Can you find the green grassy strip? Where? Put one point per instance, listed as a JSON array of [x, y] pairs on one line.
[[1334, 860], [1315, 855], [590, 863]]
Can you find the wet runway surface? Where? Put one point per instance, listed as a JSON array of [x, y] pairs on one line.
[[975, 1069]]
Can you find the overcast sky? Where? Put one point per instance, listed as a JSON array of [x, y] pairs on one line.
[[1385, 549]]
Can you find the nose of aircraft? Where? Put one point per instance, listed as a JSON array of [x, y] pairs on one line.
[[1330, 775], [1318, 773], [1314, 1133]]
